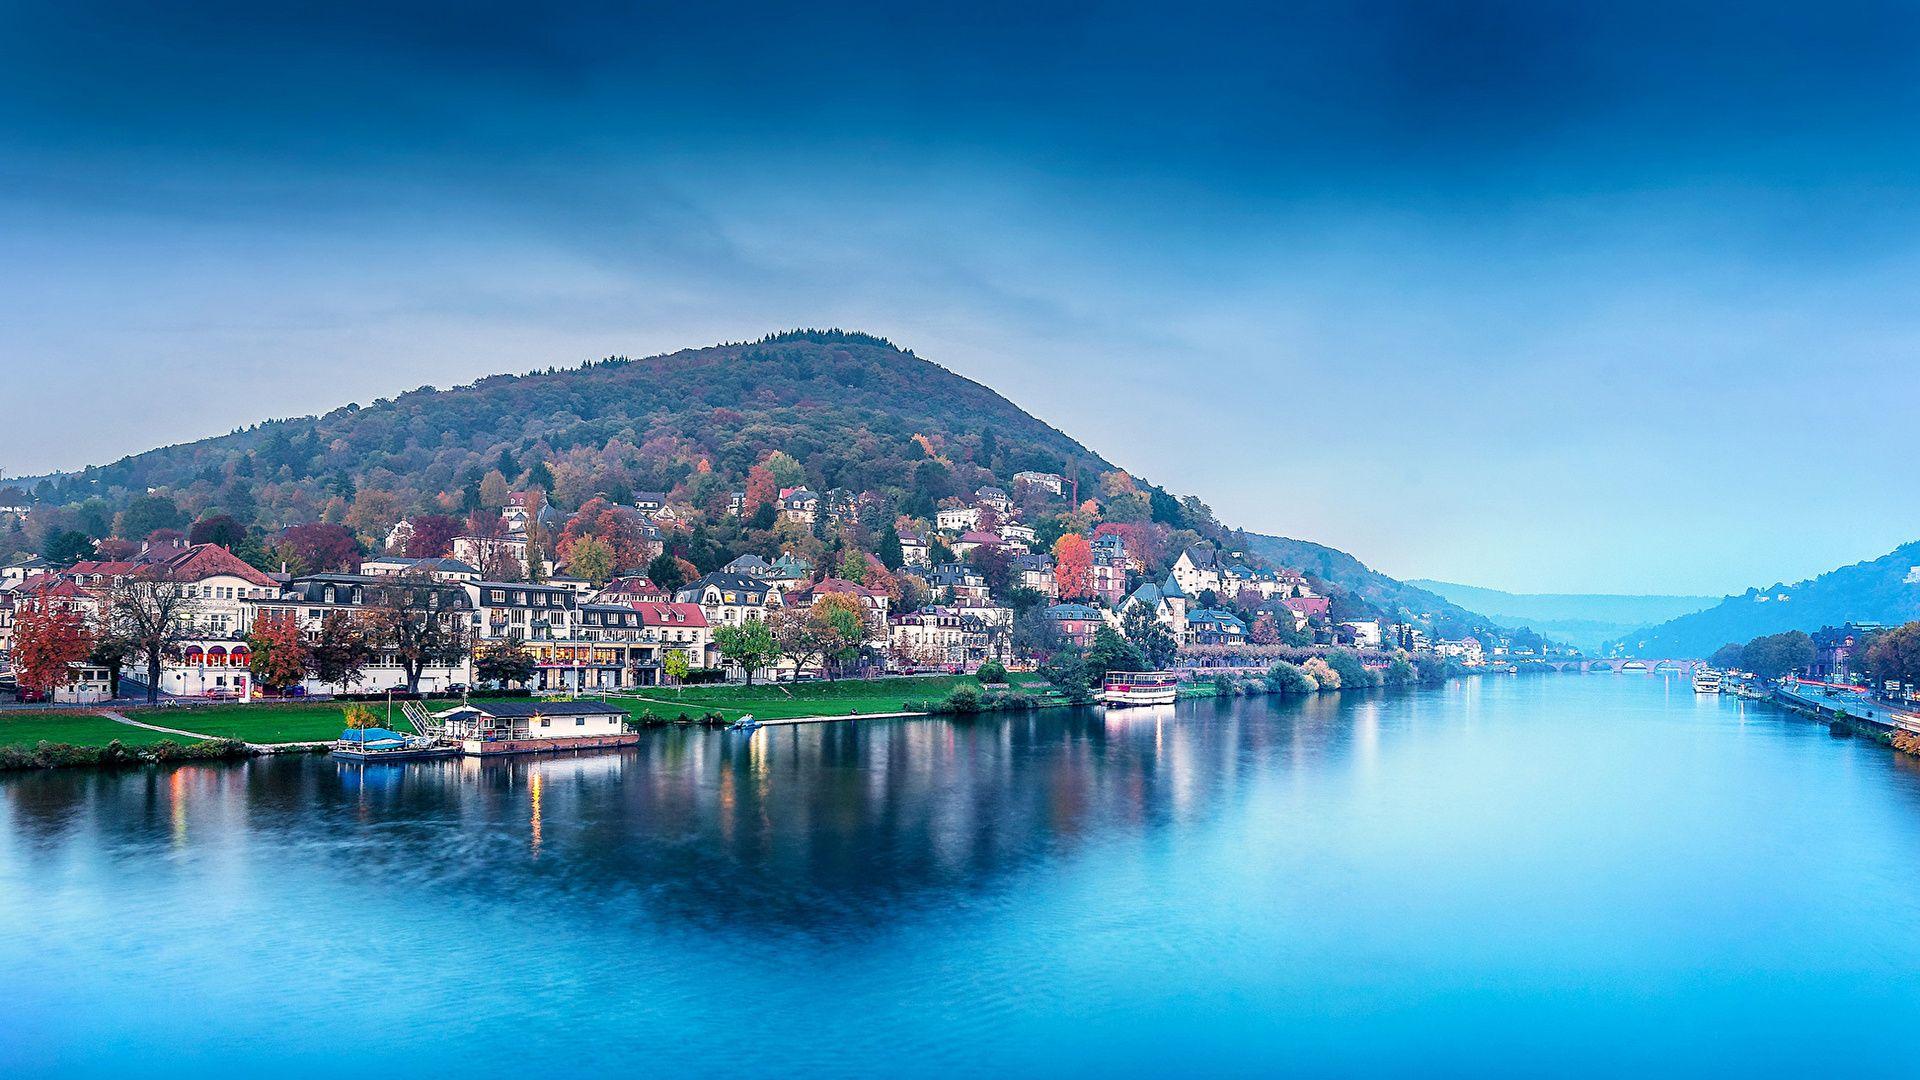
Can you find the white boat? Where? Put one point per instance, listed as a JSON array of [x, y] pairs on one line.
[[1122, 688], [1706, 681]]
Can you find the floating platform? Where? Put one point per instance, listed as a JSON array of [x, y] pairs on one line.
[[498, 747]]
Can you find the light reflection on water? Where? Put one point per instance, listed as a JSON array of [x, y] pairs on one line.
[[1567, 873]]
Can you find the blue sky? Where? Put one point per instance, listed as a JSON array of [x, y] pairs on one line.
[[1533, 296]]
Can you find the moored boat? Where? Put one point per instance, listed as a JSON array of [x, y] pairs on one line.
[[380, 744], [1123, 688], [1706, 681]]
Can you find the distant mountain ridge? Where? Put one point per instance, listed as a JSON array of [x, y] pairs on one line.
[[1586, 620], [1884, 590], [1388, 594]]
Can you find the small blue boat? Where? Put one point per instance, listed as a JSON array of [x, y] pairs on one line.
[[746, 723], [380, 744]]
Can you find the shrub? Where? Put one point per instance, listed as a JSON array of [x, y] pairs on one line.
[[993, 671], [1322, 673], [1285, 678], [1353, 674], [963, 699]]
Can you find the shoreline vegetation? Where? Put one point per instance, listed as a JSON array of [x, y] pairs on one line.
[[68, 738]]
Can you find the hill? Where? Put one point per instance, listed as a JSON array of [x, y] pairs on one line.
[[1883, 590], [1585, 620], [1384, 594], [836, 410]]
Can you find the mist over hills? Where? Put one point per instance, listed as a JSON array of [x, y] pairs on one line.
[[1586, 620], [1883, 590]]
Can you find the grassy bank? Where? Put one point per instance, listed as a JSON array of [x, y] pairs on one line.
[[794, 701], [74, 729]]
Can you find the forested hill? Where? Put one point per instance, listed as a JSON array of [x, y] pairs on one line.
[[825, 409], [859, 413], [1883, 590], [1387, 595]]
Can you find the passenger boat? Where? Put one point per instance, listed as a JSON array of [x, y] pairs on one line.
[[1706, 681], [379, 744], [1123, 688]]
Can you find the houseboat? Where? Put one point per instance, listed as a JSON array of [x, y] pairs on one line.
[[1123, 688], [486, 728]]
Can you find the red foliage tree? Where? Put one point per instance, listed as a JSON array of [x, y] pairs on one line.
[[432, 536], [761, 489], [279, 652], [1073, 566], [46, 639], [322, 547], [620, 527]]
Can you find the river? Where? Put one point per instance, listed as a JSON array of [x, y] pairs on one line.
[[1566, 874]]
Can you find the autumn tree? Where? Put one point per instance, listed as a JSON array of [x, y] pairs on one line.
[[432, 536], [343, 650], [219, 529], [667, 572], [762, 490], [319, 547], [46, 640], [494, 489], [504, 662], [279, 652], [799, 636], [786, 470], [420, 623], [149, 615], [589, 557], [1073, 567], [842, 620]]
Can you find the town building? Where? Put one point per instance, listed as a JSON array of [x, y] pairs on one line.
[[937, 636], [1212, 626], [1052, 482]]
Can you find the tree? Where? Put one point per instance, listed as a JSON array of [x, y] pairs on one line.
[[843, 628], [1073, 566], [1726, 657], [343, 650], [219, 529], [853, 566], [432, 536], [1111, 652], [590, 557], [1147, 634], [762, 490], [786, 470], [1322, 673], [667, 572], [1067, 672], [800, 637], [1895, 655], [536, 501], [506, 661], [150, 614], [66, 547], [1774, 655], [278, 652], [1264, 631], [891, 555], [1285, 678], [421, 623], [1347, 664], [46, 639], [359, 718], [494, 489], [147, 513], [993, 671], [320, 547], [674, 665], [750, 644]]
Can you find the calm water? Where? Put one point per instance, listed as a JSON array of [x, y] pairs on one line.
[[1565, 874]]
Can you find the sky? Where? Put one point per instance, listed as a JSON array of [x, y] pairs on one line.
[[1556, 298]]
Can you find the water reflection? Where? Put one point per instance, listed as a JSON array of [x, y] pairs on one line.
[[802, 825]]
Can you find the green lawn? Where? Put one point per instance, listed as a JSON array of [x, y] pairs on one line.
[[266, 723], [787, 700], [28, 729]]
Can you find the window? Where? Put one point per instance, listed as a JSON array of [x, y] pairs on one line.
[[579, 721]]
